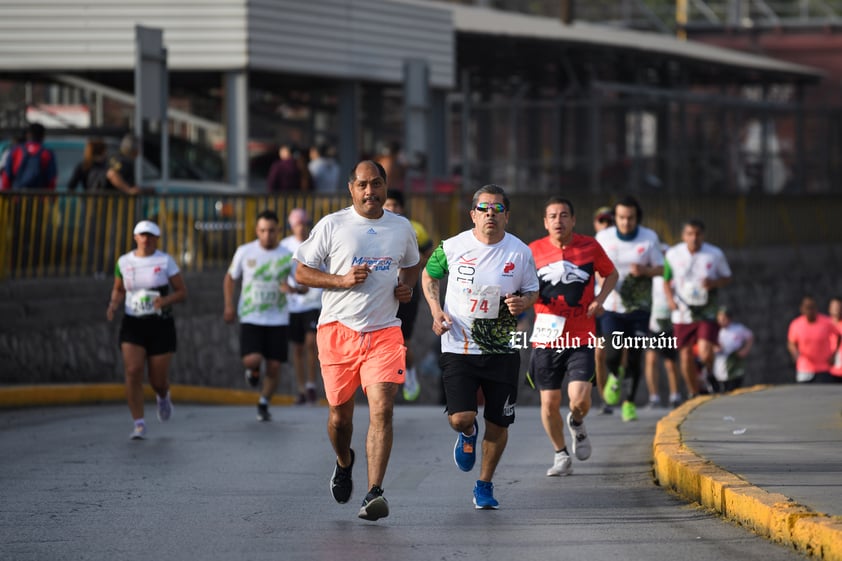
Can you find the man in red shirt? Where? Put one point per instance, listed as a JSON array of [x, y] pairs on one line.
[[30, 165], [812, 341], [562, 336]]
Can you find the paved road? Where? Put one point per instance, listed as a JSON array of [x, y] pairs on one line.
[[214, 484]]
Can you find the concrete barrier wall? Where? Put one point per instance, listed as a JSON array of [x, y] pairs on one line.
[[54, 330]]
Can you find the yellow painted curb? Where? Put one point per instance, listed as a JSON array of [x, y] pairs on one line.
[[772, 515], [70, 394]]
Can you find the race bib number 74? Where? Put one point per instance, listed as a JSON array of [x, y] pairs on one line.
[[481, 302]]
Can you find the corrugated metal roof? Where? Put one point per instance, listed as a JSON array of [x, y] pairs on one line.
[[351, 39], [486, 21]]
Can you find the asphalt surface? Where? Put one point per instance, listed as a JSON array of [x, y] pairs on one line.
[[213, 483]]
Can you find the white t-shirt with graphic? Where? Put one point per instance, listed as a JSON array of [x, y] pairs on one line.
[[479, 276], [145, 279], [310, 300], [631, 293], [262, 270], [343, 239], [730, 339], [686, 273]]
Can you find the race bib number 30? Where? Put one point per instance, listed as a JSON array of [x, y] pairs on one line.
[[546, 329], [481, 302], [142, 302]]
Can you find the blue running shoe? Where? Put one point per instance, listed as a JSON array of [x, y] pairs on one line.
[[484, 496], [464, 452]]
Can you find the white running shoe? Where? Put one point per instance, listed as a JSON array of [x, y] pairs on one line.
[[562, 465], [411, 386], [581, 442], [165, 408], [139, 432]]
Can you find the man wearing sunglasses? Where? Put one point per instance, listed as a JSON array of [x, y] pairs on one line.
[[490, 281]]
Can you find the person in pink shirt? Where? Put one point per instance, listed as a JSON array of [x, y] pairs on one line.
[[812, 341], [834, 310]]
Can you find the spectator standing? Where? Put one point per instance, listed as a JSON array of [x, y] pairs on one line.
[[324, 170], [92, 172], [490, 281], [285, 174], [694, 271], [30, 165], [391, 158], [562, 342], [734, 342], [304, 307], [264, 266], [121, 172], [636, 253], [142, 278], [370, 261], [812, 341], [408, 312]]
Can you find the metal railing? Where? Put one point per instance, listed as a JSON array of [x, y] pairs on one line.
[[61, 235]]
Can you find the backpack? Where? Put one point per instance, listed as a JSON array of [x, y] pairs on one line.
[[97, 178], [29, 173]]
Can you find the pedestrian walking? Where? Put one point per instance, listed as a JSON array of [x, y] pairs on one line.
[[370, 261], [148, 282]]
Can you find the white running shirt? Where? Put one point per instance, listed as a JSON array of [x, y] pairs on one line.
[[310, 300], [263, 271], [631, 293], [343, 239], [686, 272], [479, 276], [145, 278]]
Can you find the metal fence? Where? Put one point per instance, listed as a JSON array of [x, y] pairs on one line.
[[63, 235]]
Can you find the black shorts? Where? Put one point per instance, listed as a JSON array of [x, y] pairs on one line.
[[407, 314], [548, 367], [302, 323], [270, 341], [497, 375], [156, 335]]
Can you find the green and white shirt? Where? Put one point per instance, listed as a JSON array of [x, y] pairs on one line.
[[479, 278], [631, 293], [263, 271]]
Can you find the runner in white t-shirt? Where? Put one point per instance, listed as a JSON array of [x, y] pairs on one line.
[[264, 266], [693, 273], [366, 260], [734, 342], [636, 253], [304, 307], [491, 279], [147, 332]]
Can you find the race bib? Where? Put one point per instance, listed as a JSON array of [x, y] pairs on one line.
[[480, 302], [693, 293], [141, 302], [546, 329], [265, 293]]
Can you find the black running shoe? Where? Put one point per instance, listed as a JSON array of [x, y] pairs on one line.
[[253, 378], [375, 505], [341, 485], [263, 412]]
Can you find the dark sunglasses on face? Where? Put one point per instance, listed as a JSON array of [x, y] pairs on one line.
[[497, 208]]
